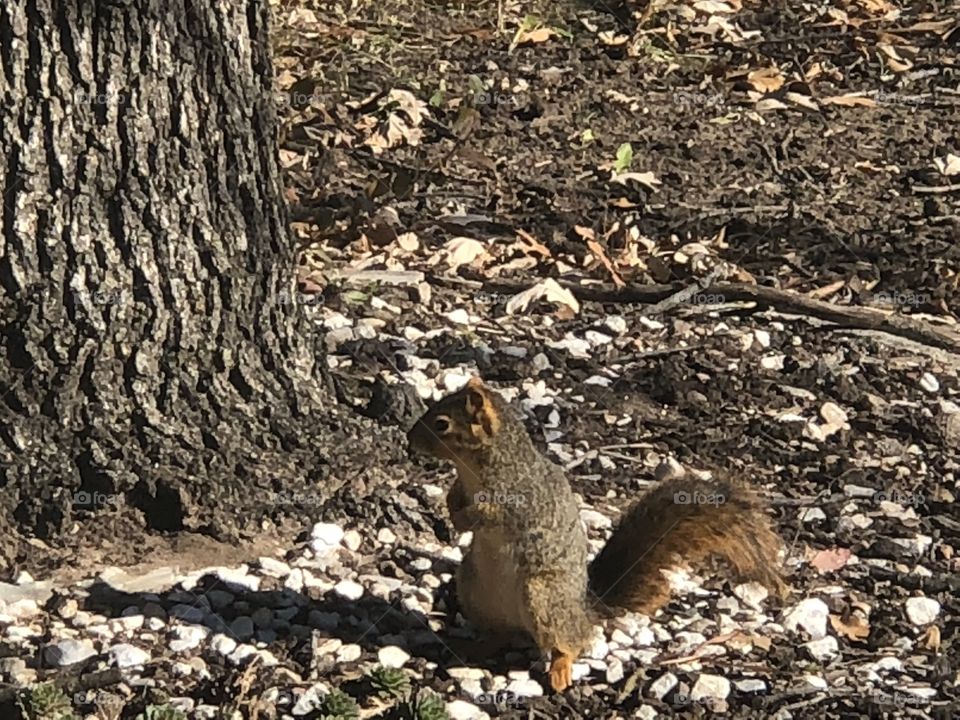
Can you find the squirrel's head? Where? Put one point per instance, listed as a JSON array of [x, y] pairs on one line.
[[459, 424]]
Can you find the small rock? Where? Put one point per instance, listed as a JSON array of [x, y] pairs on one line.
[[750, 685], [822, 649], [262, 617], [12, 669], [242, 627], [238, 578], [322, 620], [349, 589], [752, 594], [929, 383], [187, 613], [710, 686], [349, 653], [69, 609], [465, 673], [614, 670], [386, 536], [273, 567], [352, 540], [922, 610], [809, 614], [68, 652], [462, 710], [223, 644], [813, 515], [662, 686], [128, 656], [187, 637], [241, 654], [595, 520], [392, 656], [525, 688], [421, 564]]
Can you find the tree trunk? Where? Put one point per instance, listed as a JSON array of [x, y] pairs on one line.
[[156, 368]]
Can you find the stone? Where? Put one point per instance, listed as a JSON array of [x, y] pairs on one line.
[[393, 657], [525, 688], [326, 535], [463, 710], [823, 648], [68, 652], [710, 686], [349, 653], [223, 644], [126, 655], [810, 614], [273, 567], [662, 686], [922, 610], [349, 589], [242, 627], [187, 613], [465, 673], [386, 536]]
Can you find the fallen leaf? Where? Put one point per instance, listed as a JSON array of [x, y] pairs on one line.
[[766, 80], [855, 628], [531, 244], [536, 36], [548, 290], [647, 179], [462, 251], [949, 165], [826, 290], [931, 638], [598, 253], [850, 100], [832, 559]]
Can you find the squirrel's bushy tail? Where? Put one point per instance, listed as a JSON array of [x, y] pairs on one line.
[[684, 520]]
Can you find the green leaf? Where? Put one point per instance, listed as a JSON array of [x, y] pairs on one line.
[[624, 157]]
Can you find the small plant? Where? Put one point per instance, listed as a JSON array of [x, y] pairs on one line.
[[624, 157], [337, 705], [425, 705], [389, 682], [46, 702], [161, 712]]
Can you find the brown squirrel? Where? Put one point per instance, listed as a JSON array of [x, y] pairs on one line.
[[526, 569]]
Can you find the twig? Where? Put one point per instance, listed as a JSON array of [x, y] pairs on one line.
[[936, 188]]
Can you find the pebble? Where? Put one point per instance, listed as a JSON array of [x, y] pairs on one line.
[[238, 577], [525, 688], [465, 673], [614, 670], [660, 687], [273, 567], [392, 657], [262, 617], [822, 649], [922, 610], [349, 653], [187, 613], [128, 656], [929, 383], [187, 637], [809, 614], [813, 515], [242, 627], [68, 652], [69, 609], [352, 540], [710, 686], [127, 623], [752, 594], [323, 620], [750, 685], [242, 653], [223, 644], [595, 520], [463, 710], [386, 536], [349, 589]]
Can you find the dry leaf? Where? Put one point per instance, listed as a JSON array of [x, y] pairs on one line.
[[462, 251], [536, 36], [532, 244], [826, 290], [850, 100], [549, 290], [828, 560], [931, 638], [855, 628], [949, 165], [647, 179], [598, 252], [766, 80], [769, 104]]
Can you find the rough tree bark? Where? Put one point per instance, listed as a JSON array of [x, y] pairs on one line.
[[155, 368]]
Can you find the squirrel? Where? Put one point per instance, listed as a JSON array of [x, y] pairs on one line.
[[526, 570]]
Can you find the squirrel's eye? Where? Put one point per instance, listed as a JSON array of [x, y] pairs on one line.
[[441, 424]]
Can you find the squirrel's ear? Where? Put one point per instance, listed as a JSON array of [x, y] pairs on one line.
[[479, 407]]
